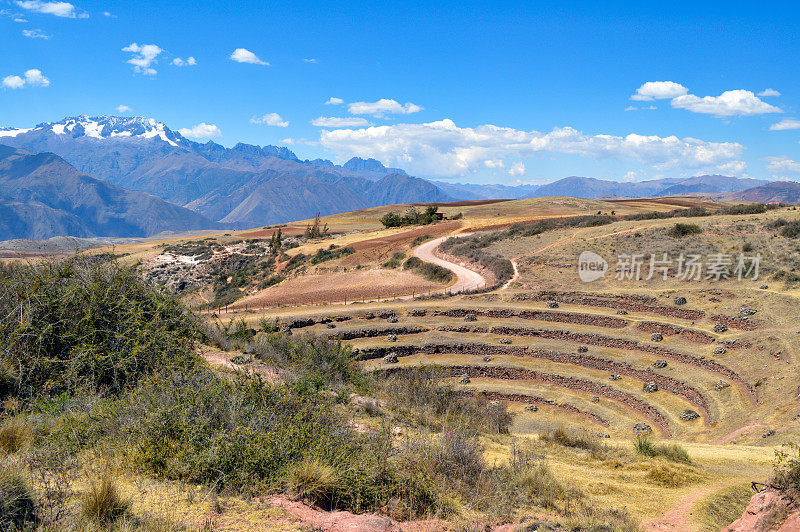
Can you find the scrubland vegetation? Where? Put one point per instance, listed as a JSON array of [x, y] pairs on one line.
[[411, 217]]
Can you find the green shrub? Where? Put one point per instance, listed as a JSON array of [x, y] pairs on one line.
[[420, 239], [395, 261], [691, 212], [82, 324], [745, 208], [331, 253], [673, 452], [430, 271], [411, 217], [418, 395], [315, 360], [680, 230], [786, 467], [311, 479]]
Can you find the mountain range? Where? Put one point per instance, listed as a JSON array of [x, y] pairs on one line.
[[41, 195], [243, 186], [209, 185]]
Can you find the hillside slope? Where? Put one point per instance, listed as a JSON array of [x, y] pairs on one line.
[[42, 196]]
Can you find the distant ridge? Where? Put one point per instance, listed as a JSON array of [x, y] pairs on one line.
[[42, 196], [776, 192]]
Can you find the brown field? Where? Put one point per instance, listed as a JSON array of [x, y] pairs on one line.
[[339, 286]]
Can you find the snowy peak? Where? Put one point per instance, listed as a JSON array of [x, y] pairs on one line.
[[103, 127]]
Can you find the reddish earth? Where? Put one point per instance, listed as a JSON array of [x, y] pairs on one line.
[[769, 510], [313, 518], [678, 518], [382, 248], [338, 287]]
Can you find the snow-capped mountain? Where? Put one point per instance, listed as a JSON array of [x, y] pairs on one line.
[[245, 185], [104, 127]]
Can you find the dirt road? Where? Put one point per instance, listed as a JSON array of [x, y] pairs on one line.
[[466, 279]]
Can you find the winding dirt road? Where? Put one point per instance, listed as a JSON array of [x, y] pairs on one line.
[[466, 279]]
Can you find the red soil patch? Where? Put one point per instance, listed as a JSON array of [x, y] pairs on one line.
[[340, 286], [381, 248]]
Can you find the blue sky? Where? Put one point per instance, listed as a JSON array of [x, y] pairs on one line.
[[501, 92]]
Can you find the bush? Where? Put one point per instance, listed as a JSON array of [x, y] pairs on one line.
[[17, 507], [751, 208], [575, 440], [81, 324], [430, 271], [411, 217], [395, 261], [14, 436], [671, 476], [330, 254], [539, 485], [419, 396], [313, 360], [692, 212], [420, 239], [673, 452], [787, 229], [680, 230], [103, 504], [786, 468], [311, 479]]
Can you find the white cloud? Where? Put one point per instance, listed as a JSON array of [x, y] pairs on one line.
[[769, 92], [648, 108], [334, 101], [32, 78], [242, 55], [517, 169], [59, 9], [382, 107], [109, 14], [737, 102], [333, 121], [35, 34], [20, 20], [782, 166], [445, 150], [271, 119], [494, 163], [13, 82], [189, 61], [201, 131], [786, 123], [310, 60], [123, 109], [144, 57], [659, 90], [35, 77]]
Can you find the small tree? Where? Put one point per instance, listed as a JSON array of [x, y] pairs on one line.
[[276, 242], [314, 231]]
